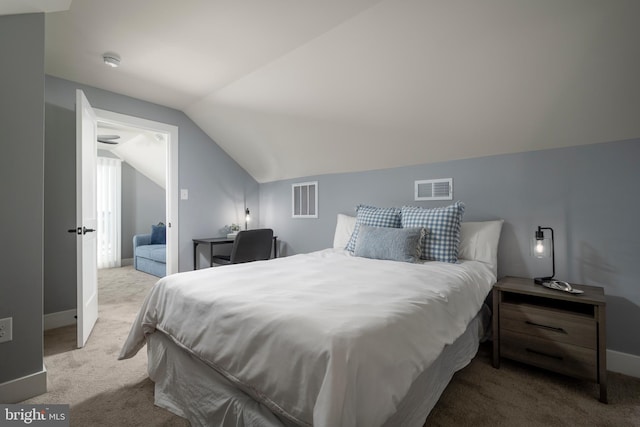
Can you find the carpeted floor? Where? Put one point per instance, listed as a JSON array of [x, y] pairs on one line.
[[103, 391]]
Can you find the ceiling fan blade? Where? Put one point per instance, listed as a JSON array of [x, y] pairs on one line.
[[108, 139]]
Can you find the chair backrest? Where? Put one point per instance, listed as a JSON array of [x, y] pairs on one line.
[[252, 245]]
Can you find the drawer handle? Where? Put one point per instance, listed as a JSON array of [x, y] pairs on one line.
[[551, 328], [540, 353]]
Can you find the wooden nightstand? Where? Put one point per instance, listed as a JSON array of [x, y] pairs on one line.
[[551, 329]]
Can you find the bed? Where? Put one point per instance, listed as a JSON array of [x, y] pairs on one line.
[[324, 339]]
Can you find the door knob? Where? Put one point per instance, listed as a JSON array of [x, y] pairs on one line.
[[83, 230]]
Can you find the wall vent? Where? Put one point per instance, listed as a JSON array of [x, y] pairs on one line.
[[304, 200], [434, 189]]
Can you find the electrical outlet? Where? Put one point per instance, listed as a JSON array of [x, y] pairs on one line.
[[6, 329]]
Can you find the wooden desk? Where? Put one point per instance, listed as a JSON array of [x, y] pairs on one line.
[[211, 241]]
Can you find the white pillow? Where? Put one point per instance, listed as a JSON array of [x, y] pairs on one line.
[[344, 228], [479, 242]]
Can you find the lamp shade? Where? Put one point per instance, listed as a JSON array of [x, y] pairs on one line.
[[543, 247]]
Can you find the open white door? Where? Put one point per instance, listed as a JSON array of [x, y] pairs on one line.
[[86, 221]]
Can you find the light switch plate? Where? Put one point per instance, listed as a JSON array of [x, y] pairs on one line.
[[184, 194]]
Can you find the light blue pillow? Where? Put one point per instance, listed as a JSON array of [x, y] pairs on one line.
[[443, 225], [395, 244], [375, 217]]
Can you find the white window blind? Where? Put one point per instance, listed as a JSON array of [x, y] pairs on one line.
[[108, 194]]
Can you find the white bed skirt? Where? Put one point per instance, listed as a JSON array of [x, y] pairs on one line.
[[190, 389]]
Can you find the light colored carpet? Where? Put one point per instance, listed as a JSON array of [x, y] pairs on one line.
[[103, 391]]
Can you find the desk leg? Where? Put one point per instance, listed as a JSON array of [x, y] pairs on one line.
[[195, 245], [602, 353]]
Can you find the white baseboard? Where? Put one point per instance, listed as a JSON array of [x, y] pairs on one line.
[[59, 319], [24, 388], [623, 363], [126, 261]]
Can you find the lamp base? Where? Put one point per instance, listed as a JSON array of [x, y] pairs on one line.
[[541, 280]]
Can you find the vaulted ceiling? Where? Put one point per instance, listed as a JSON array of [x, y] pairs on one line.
[[293, 88], [143, 150]]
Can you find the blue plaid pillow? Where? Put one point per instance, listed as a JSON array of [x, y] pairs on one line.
[[443, 226], [374, 217]]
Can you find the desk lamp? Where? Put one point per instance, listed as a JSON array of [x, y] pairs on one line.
[[541, 248]]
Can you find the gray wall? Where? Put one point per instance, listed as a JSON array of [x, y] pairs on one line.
[[588, 194], [217, 186], [143, 204], [59, 209], [22, 191]]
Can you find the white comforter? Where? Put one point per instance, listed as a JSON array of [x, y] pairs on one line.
[[324, 339]]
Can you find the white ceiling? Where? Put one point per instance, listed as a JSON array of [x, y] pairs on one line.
[[293, 88], [143, 150]]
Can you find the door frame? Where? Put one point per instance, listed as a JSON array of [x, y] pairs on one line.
[[172, 194]]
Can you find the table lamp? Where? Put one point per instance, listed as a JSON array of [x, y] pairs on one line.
[[541, 248]]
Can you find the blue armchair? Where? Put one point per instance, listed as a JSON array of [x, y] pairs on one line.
[[149, 258]]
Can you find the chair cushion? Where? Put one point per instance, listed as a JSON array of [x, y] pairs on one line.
[[154, 252], [151, 267], [221, 259]]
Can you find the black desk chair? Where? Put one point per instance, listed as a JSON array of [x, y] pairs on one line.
[[249, 245]]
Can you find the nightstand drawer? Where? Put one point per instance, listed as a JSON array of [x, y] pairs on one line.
[[556, 356], [549, 324]]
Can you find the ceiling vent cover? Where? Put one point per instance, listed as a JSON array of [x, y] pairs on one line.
[[434, 189]]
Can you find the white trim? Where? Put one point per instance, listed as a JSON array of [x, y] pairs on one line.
[[24, 388], [60, 319], [173, 192], [623, 363]]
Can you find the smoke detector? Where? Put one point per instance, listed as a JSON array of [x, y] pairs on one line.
[[111, 59]]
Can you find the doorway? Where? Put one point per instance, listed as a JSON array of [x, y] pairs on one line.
[[130, 126]]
